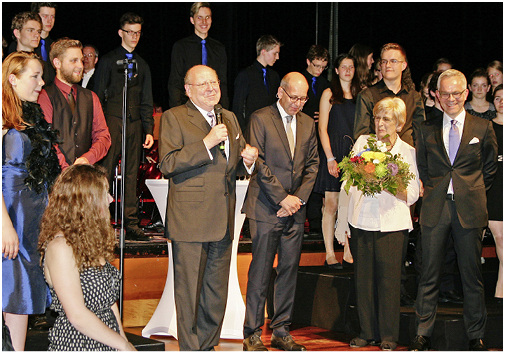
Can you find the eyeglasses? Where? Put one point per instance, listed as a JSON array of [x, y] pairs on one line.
[[132, 33], [31, 30], [302, 100], [446, 95], [320, 67], [212, 83], [392, 61], [89, 55]]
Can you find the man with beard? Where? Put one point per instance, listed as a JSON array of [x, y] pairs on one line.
[[75, 111]]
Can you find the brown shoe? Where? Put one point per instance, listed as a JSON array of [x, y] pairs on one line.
[[253, 343], [286, 343]]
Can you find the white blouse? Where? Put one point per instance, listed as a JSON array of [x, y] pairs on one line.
[[384, 212]]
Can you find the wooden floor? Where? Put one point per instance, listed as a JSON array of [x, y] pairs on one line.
[[315, 339]]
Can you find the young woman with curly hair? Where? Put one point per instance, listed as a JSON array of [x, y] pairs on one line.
[[77, 245]]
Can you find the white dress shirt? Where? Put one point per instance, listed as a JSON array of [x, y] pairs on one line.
[[285, 121], [446, 127], [86, 77], [384, 212]]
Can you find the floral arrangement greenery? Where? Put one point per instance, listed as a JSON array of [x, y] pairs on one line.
[[375, 169]]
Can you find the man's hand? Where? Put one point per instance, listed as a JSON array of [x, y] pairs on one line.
[[81, 161], [316, 117], [291, 204], [149, 141], [249, 155], [216, 135]]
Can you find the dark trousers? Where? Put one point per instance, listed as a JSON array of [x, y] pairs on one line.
[[133, 153], [377, 277], [468, 248], [201, 271], [284, 238]]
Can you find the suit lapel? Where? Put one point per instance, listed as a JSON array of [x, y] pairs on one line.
[[279, 125], [196, 118], [466, 136], [439, 138]]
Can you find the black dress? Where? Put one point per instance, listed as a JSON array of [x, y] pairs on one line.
[[495, 193], [100, 288], [340, 132]]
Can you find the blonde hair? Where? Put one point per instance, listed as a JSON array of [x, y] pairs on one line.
[[12, 112], [393, 105], [59, 47], [78, 208]]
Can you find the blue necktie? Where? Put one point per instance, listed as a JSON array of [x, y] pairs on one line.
[[129, 56], [265, 82], [314, 86], [454, 141], [204, 53], [43, 50]]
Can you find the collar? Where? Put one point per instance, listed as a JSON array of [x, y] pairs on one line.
[[460, 119], [64, 88], [89, 73], [381, 85], [203, 111], [282, 112], [259, 65]]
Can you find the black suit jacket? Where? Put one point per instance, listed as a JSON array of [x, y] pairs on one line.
[[277, 174], [472, 172], [187, 53]]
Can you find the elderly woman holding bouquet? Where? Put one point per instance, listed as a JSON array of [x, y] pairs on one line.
[[381, 180]]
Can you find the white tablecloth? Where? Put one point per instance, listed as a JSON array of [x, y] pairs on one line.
[[164, 319]]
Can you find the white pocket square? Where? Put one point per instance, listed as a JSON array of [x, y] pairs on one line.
[[474, 141], [238, 136]]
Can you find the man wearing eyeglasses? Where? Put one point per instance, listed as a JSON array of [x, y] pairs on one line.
[[396, 82], [456, 158], [202, 150], [275, 205], [90, 58], [197, 49], [139, 111]]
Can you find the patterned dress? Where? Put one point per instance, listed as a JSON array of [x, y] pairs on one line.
[[100, 288]]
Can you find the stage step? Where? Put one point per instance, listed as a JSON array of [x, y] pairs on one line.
[[326, 299], [38, 341]]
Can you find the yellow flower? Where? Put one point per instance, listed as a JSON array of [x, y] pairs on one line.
[[368, 155], [379, 156]]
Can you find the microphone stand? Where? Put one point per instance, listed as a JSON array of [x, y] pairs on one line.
[[122, 174]]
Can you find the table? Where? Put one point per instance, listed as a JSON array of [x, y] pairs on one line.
[[164, 319]]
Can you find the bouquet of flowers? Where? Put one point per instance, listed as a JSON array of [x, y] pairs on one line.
[[375, 169]]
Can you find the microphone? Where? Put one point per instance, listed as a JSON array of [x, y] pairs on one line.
[[218, 109], [126, 61]]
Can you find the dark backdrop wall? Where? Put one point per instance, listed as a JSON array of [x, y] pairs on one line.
[[469, 34]]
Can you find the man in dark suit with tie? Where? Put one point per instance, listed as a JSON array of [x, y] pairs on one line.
[[256, 86], [197, 49], [456, 157], [284, 176], [201, 204], [109, 83]]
